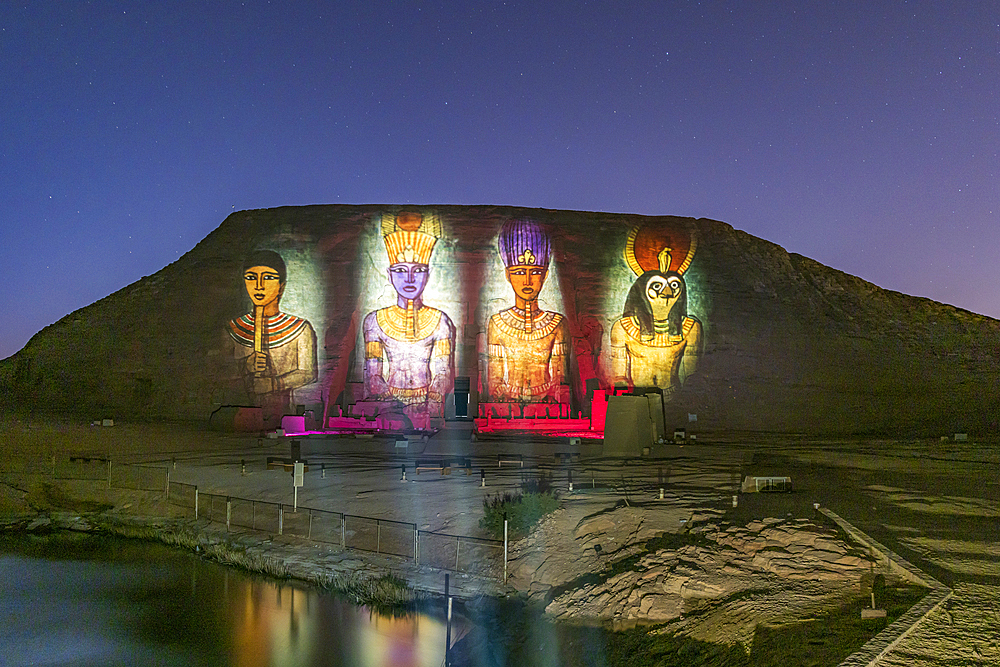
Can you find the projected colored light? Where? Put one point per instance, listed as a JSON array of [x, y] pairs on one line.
[[275, 352], [409, 345], [655, 343], [527, 347], [436, 301]]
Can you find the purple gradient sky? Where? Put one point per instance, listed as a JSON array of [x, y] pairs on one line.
[[862, 134]]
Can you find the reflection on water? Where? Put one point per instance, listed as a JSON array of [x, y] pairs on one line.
[[86, 600], [276, 626]]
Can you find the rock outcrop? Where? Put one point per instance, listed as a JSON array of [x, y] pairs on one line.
[[706, 578], [788, 345]]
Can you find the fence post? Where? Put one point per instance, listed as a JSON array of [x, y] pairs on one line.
[[458, 550], [166, 491], [281, 517], [196, 502], [310, 524], [447, 637], [343, 531], [109, 472], [229, 512], [505, 550], [253, 515], [378, 536], [416, 545]]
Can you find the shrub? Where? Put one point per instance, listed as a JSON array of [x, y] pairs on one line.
[[522, 509]]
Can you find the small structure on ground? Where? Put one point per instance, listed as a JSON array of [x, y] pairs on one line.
[[766, 484]]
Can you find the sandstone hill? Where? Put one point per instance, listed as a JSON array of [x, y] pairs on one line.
[[788, 345]]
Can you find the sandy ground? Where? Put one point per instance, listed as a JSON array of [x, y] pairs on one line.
[[936, 503], [965, 630]]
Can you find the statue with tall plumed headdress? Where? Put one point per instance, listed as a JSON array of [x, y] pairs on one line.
[[409, 347], [527, 347], [656, 343]]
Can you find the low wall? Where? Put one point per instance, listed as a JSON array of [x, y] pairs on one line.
[[872, 652]]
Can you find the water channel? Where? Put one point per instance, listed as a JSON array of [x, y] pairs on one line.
[[84, 600], [87, 600]]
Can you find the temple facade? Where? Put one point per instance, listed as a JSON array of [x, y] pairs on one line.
[[452, 321]]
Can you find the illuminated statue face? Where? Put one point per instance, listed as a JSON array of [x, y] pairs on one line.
[[263, 285], [526, 280], [409, 279], [663, 292]]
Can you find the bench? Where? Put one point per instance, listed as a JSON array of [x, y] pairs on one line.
[[510, 458], [442, 465], [287, 464], [88, 459]]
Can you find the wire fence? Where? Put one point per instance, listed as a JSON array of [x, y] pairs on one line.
[[184, 496], [459, 553], [139, 477], [630, 481], [82, 467]]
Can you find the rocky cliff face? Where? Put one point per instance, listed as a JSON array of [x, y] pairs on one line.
[[769, 340]]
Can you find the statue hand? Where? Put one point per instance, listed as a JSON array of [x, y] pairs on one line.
[[257, 363]]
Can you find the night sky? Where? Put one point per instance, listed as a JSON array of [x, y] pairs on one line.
[[862, 134]]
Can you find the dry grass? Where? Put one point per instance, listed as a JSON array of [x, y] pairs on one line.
[[183, 537], [385, 592]]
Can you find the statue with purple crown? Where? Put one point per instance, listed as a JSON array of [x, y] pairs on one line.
[[527, 347]]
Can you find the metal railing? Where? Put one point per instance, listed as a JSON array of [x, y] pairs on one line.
[[361, 533], [183, 495], [140, 477], [460, 553]]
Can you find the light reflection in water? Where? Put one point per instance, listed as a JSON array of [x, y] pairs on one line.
[[89, 600], [275, 625]]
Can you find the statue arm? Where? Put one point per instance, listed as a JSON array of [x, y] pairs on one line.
[[375, 385], [619, 355], [256, 368], [559, 360], [495, 364], [304, 371], [692, 352], [442, 361]]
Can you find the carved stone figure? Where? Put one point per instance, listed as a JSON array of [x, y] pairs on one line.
[[275, 351], [656, 343], [527, 347], [409, 346]]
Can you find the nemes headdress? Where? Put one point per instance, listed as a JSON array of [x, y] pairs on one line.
[[410, 237], [524, 243], [660, 247]]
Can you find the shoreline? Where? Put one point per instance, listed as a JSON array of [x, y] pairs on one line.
[[365, 482], [365, 579], [380, 590]]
